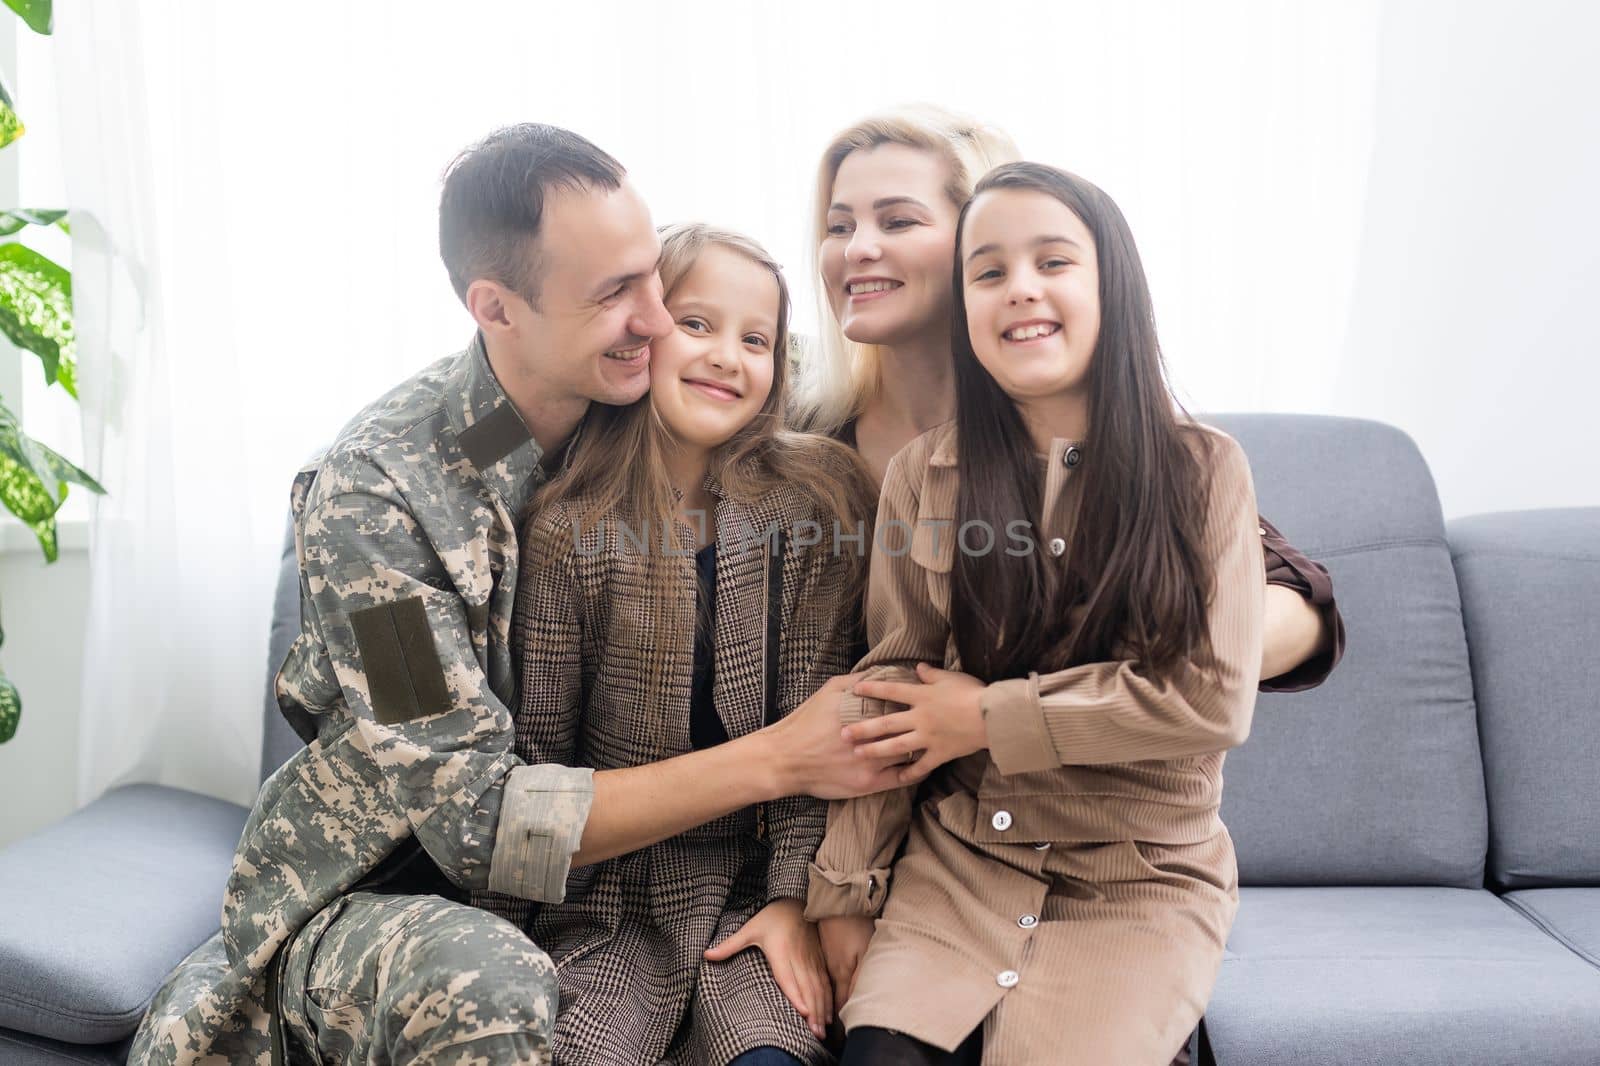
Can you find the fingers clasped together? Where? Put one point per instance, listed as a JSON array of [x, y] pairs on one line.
[[943, 720]]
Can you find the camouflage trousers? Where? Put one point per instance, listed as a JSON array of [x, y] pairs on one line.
[[415, 979]]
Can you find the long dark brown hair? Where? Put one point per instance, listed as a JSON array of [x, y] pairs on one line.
[[1133, 583]]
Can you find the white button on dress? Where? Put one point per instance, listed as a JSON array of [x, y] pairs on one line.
[[1007, 979], [1001, 820], [1028, 921]]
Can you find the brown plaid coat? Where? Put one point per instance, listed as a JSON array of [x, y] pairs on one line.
[[628, 938]]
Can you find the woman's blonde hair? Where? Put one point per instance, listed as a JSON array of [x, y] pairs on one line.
[[617, 466], [838, 378]]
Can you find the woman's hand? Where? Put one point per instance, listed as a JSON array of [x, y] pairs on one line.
[[844, 941], [793, 952], [943, 722]]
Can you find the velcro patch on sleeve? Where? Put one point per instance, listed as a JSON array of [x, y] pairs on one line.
[[404, 676]]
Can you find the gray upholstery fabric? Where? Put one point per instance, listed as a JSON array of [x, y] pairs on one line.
[[20, 1049], [1530, 583], [1421, 976], [99, 906], [1571, 915], [1375, 777], [278, 740]]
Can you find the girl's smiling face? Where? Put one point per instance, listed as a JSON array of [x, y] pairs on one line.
[[711, 374], [1031, 284], [885, 256]]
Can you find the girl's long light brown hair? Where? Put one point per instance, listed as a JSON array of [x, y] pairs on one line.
[[617, 469], [1133, 582]]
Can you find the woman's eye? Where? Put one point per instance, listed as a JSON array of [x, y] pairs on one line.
[[838, 229], [899, 223], [987, 274], [1051, 264], [755, 340]]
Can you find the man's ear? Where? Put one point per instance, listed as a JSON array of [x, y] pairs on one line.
[[494, 307]]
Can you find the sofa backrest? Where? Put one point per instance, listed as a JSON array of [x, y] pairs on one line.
[[1375, 777], [1530, 582]]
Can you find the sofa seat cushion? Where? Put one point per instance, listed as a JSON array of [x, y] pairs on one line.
[[20, 1049], [1571, 915], [100, 906], [1423, 976]]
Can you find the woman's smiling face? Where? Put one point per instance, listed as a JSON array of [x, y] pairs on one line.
[[1031, 283], [711, 374], [885, 256]]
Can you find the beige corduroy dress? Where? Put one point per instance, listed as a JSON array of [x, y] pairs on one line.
[[1069, 889]]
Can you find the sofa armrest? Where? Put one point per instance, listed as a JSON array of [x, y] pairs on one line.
[[96, 909]]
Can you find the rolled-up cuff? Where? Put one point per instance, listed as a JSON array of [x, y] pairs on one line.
[[541, 825], [835, 895], [788, 878], [1315, 670], [1019, 743]]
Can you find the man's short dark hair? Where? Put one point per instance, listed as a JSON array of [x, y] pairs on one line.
[[493, 201]]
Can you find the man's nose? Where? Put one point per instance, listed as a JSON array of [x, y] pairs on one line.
[[651, 318]]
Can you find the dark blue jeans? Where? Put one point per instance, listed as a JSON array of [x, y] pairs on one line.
[[766, 1056]]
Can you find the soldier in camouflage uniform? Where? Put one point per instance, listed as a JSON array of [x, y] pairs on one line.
[[345, 935], [406, 533]]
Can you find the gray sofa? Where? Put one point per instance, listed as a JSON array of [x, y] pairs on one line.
[[1419, 838]]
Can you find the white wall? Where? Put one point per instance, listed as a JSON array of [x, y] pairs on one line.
[[42, 608], [1473, 324]]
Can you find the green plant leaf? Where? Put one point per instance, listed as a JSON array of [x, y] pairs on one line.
[[36, 310], [28, 454], [23, 494], [12, 221], [66, 471], [11, 126], [38, 14], [34, 480], [10, 709]]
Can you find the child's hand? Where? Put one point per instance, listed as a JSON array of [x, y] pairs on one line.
[[790, 944], [844, 941], [943, 721]]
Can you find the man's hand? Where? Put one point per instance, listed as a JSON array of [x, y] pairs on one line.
[[795, 955], [844, 941], [943, 721], [813, 757]]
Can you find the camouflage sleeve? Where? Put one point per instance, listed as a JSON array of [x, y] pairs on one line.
[[533, 860], [398, 638]]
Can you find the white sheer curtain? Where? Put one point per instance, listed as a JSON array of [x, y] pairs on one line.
[[265, 181]]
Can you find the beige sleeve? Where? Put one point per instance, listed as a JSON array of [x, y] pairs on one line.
[[1109, 712], [851, 873]]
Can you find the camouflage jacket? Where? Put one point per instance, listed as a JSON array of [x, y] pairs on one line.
[[401, 675]]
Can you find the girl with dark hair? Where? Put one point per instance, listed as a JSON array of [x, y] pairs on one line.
[[1084, 561], [682, 587]]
